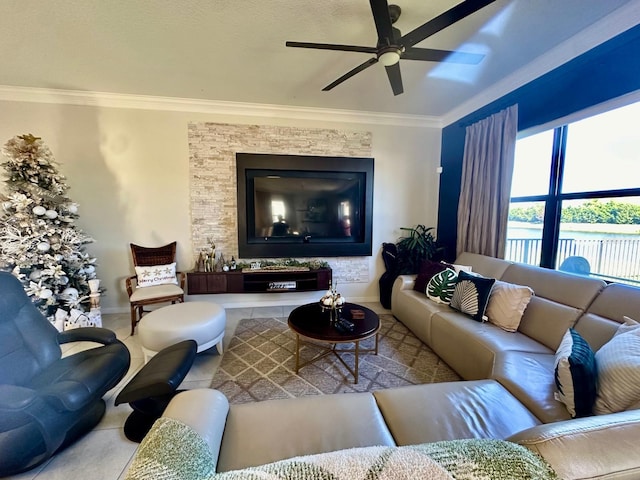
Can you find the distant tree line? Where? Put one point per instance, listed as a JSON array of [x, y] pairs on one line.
[[592, 211]]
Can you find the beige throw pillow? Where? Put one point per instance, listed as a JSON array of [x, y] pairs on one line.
[[618, 363], [507, 304]]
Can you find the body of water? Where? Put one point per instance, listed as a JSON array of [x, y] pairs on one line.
[[536, 232]]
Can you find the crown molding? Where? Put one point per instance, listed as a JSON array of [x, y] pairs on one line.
[[190, 105], [615, 23]]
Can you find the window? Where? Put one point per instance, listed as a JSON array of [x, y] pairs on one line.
[[575, 197]]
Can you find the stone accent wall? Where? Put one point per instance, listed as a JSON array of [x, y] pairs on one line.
[[212, 174]]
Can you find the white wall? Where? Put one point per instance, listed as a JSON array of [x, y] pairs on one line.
[[128, 170]]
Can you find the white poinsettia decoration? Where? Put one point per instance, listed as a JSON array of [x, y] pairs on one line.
[[332, 299]]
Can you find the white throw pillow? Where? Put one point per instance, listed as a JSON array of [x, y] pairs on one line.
[[629, 325], [156, 275], [507, 304], [618, 363], [461, 268]]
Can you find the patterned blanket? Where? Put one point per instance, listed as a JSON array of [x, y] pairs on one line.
[[173, 451]]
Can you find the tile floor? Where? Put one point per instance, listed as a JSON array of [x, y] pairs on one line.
[[105, 453]]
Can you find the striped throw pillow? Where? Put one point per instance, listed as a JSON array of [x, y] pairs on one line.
[[618, 363]]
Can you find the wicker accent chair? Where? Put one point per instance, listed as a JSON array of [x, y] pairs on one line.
[[140, 297]]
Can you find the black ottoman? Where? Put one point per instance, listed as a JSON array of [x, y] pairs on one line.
[[150, 391]]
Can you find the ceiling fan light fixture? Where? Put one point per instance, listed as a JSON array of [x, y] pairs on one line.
[[389, 57]]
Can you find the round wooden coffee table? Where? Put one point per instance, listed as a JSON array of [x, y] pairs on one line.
[[312, 325]]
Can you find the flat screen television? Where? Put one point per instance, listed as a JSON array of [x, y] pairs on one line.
[[304, 206]]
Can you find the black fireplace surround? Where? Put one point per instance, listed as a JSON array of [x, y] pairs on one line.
[[304, 206]]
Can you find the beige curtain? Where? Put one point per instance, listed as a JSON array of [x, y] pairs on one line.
[[487, 168]]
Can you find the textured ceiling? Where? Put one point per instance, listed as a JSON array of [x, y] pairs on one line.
[[234, 50]]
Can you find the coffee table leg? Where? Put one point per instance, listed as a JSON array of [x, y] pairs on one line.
[[297, 352], [355, 375], [376, 351]]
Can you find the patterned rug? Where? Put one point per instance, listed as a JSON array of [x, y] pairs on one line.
[[259, 363]]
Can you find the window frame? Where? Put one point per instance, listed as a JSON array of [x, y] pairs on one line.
[[554, 197]]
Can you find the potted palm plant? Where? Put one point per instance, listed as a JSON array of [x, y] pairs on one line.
[[417, 245]]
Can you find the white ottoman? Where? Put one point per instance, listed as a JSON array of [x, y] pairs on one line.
[[203, 322]]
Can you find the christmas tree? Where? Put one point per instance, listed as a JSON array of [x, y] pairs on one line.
[[39, 242]]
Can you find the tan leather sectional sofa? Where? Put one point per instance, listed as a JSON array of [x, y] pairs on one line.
[[507, 392], [523, 362]]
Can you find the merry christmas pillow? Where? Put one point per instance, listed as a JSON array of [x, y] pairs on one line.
[[156, 275]]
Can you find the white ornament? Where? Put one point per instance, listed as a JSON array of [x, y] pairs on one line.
[[89, 269], [59, 319], [70, 292], [73, 208], [39, 210], [35, 275], [51, 214], [45, 293], [43, 246]]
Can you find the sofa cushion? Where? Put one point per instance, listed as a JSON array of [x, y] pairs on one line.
[[560, 287], [441, 286], [470, 347], [547, 321], [529, 377], [560, 298], [486, 266], [601, 321], [507, 303], [254, 432], [618, 372], [445, 411], [575, 374], [471, 295], [415, 310], [607, 447]]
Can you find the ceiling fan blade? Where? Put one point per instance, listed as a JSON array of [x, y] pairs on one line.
[[395, 79], [332, 46], [442, 21], [432, 55], [380, 10], [351, 73]]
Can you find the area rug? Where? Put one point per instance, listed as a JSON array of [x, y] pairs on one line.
[[259, 363]]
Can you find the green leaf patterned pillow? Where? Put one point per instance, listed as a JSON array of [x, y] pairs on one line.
[[471, 295], [441, 286]]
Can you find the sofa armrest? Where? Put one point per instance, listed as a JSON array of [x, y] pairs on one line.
[[88, 334], [606, 445], [404, 282], [205, 411]]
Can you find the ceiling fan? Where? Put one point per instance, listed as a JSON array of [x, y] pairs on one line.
[[392, 46]]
